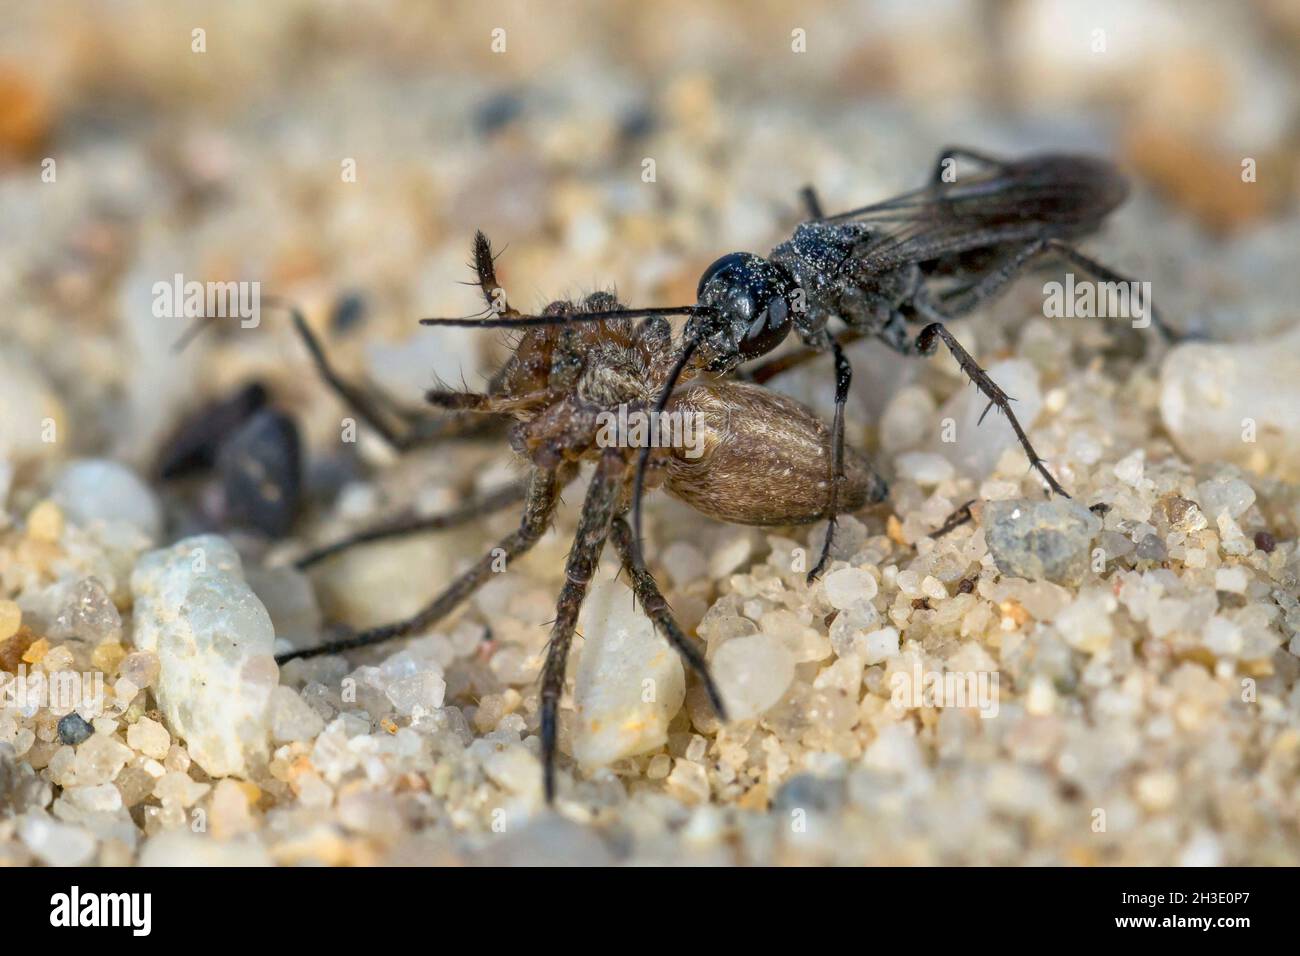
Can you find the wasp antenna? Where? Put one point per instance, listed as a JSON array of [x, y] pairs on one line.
[[505, 322], [643, 459]]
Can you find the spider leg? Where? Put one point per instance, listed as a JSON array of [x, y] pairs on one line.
[[843, 378], [593, 528], [541, 498], [925, 345], [413, 524], [656, 608], [364, 405]]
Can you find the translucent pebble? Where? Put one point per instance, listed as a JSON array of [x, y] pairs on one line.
[[11, 618], [1234, 579], [1086, 624], [178, 788], [1222, 637], [516, 770], [149, 737], [1225, 495], [56, 844], [689, 782], [852, 625], [100, 759], [88, 614], [1151, 548], [684, 563], [214, 642], [629, 684], [907, 420], [846, 586], [101, 798], [292, 718], [925, 468], [752, 673], [290, 600], [733, 550], [879, 645], [1129, 469], [423, 691], [230, 814], [97, 490], [134, 784]]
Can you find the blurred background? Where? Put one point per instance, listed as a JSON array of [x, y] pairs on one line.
[[600, 145]]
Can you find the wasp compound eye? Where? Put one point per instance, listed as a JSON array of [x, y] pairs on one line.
[[752, 296]]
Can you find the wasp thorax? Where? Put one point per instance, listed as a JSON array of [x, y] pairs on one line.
[[751, 299]]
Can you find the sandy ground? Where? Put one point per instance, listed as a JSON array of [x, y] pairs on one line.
[[1121, 689]]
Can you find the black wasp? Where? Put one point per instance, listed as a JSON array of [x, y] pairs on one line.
[[926, 256]]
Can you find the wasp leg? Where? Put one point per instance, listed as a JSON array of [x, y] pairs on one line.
[[1106, 274], [956, 152], [926, 344], [955, 520], [843, 378]]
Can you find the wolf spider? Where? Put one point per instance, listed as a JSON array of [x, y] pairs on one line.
[[764, 461]]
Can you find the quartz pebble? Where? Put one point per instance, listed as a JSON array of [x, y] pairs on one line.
[[1235, 403], [94, 490], [88, 614], [55, 843], [1037, 540], [846, 586], [292, 718], [752, 673], [630, 683], [213, 641]]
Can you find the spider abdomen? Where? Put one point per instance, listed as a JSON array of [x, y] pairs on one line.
[[763, 459]]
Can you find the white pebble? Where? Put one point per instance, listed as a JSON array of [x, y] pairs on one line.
[[630, 683], [94, 490], [1213, 397], [879, 645], [752, 673], [1233, 579], [57, 844], [292, 718], [847, 586], [925, 468], [214, 644], [149, 737]]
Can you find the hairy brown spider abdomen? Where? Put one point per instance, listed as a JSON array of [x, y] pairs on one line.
[[764, 459]]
